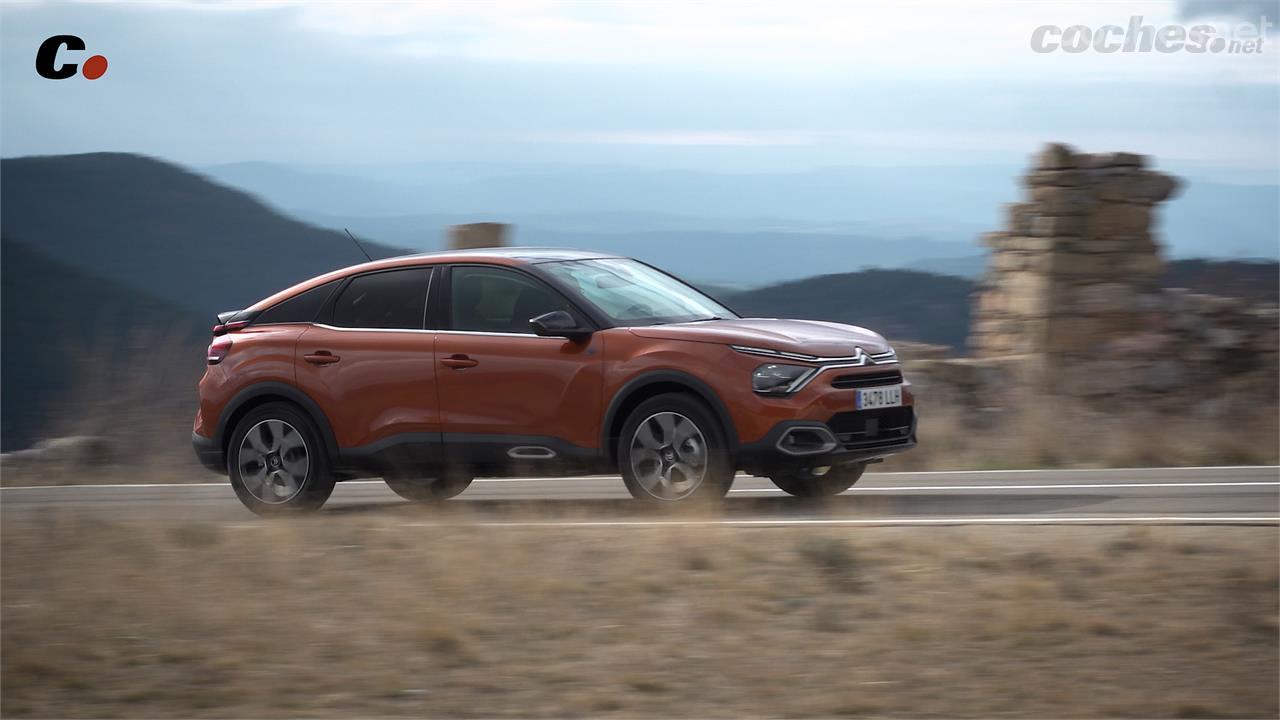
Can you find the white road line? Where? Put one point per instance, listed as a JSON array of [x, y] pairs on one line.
[[224, 485], [105, 486], [895, 488], [1083, 470], [541, 479], [859, 488], [1040, 520]]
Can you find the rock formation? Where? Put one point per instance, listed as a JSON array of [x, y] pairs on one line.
[[1072, 284], [1078, 264], [477, 235]]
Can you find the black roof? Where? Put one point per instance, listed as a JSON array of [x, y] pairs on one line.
[[528, 254]]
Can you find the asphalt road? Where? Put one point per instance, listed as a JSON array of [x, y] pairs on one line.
[[1236, 495]]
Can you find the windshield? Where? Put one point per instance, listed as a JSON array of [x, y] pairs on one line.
[[632, 293]]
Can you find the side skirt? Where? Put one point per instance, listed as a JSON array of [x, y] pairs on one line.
[[481, 454]]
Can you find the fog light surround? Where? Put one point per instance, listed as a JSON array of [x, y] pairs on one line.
[[807, 440]]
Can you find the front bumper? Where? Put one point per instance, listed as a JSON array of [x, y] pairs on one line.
[[846, 437], [208, 453]]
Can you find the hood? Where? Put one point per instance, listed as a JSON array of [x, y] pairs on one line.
[[809, 337]]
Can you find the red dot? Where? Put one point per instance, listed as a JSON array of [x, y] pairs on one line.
[[95, 67]]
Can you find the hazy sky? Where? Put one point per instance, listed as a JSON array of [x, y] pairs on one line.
[[719, 86]]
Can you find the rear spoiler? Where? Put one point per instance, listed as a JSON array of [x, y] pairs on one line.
[[232, 320]]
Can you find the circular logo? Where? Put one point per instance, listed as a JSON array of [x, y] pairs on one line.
[[94, 68]]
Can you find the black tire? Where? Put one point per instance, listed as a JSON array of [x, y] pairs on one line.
[[429, 489], [317, 479], [717, 475], [807, 485]]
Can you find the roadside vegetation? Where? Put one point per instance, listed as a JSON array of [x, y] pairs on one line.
[[1041, 431], [394, 615]]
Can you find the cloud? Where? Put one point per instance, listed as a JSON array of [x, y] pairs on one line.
[[1235, 9], [814, 41], [796, 83]]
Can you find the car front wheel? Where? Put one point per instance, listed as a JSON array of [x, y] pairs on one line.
[[277, 462], [672, 450], [808, 484]]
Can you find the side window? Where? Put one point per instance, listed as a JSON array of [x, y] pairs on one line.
[[498, 300], [393, 300], [301, 308]]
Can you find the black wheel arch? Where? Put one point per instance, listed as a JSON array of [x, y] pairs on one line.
[[653, 383], [271, 391]]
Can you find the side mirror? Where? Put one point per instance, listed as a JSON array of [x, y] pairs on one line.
[[558, 323]]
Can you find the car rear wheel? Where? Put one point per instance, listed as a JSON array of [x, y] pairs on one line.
[[277, 462], [429, 489], [672, 450], [809, 484]]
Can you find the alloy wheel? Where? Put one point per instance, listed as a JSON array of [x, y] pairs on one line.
[[274, 461], [669, 455]]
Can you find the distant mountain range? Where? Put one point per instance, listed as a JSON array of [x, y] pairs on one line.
[[145, 223], [721, 228], [692, 247], [98, 246], [897, 200], [969, 266], [1258, 281], [763, 227], [933, 308], [57, 324], [900, 304]]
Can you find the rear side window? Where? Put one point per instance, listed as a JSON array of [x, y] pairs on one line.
[[301, 308], [392, 300]]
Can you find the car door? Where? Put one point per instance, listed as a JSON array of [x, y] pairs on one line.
[[369, 363], [506, 393]]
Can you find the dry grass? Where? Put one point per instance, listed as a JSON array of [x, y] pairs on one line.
[[1052, 432], [143, 402], [138, 393], [370, 616]]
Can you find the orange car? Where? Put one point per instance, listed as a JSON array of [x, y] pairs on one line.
[[429, 370]]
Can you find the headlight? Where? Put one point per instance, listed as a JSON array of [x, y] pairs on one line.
[[774, 379]]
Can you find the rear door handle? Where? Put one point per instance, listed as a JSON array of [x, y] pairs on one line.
[[458, 362], [321, 357]]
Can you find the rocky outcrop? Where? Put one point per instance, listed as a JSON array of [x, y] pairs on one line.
[[473, 236], [1071, 304], [1077, 264]]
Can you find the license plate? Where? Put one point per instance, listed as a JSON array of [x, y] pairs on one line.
[[880, 397]]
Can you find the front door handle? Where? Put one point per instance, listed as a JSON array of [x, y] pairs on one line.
[[321, 357], [458, 362]]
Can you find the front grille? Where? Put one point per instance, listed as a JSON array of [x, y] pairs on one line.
[[873, 429], [868, 379]]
